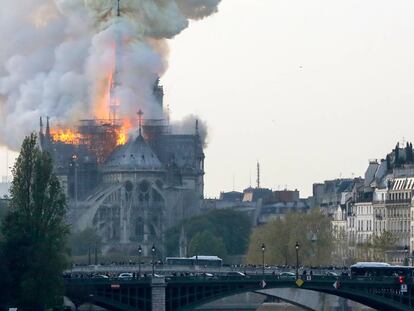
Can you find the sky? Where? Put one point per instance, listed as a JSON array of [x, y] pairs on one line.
[[310, 89]]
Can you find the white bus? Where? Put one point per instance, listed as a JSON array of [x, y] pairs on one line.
[[205, 261]]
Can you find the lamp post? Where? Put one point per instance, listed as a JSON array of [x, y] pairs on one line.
[[263, 262], [314, 238], [153, 259], [89, 255], [75, 165], [406, 255], [96, 253], [297, 259], [139, 260]]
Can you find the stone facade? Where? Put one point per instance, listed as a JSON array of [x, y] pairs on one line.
[[381, 203], [131, 194]]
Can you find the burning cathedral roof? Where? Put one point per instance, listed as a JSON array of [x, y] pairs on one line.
[[135, 155]]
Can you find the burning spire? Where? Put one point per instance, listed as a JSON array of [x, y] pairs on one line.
[[140, 114], [114, 77], [74, 68]]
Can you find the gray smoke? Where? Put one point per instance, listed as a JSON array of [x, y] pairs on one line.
[[196, 9], [188, 126], [59, 54]]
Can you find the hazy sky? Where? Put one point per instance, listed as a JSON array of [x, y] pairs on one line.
[[312, 89]]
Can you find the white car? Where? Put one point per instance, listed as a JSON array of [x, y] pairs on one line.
[[125, 276], [235, 273], [100, 276], [287, 275]]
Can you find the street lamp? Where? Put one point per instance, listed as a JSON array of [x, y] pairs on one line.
[[75, 164], [89, 255], [406, 255], [263, 262], [96, 253], [297, 259], [314, 238], [139, 260], [153, 259]]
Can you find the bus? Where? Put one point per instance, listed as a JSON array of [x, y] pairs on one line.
[[204, 261], [380, 269]]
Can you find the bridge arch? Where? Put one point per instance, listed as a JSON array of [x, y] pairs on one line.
[[387, 295], [187, 293], [312, 300], [249, 300]]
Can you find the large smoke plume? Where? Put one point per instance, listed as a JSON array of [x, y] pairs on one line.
[[59, 56]]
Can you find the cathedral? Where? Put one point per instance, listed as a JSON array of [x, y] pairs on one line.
[[130, 193]]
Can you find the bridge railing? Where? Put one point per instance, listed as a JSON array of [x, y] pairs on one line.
[[215, 278]]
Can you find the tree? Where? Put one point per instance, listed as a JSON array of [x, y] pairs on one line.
[[206, 243], [83, 242], [281, 235], [364, 251], [341, 256], [3, 209], [35, 231], [383, 243], [231, 226]]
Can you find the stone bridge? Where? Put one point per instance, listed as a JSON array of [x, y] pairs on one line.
[[187, 293]]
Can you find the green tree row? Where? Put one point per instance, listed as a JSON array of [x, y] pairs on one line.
[[84, 242], [376, 248], [219, 232], [312, 232]]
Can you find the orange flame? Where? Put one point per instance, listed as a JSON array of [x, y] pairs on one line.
[[101, 102], [69, 136], [66, 136], [103, 87], [102, 111], [123, 132], [122, 137]]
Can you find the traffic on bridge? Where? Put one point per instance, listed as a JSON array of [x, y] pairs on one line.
[[377, 285]]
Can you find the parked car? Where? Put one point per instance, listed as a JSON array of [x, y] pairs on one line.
[[331, 273], [125, 275], [205, 274], [100, 276], [235, 273], [287, 275]]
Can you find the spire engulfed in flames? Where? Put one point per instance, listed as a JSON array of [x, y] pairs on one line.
[[65, 53], [130, 41], [112, 130]]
